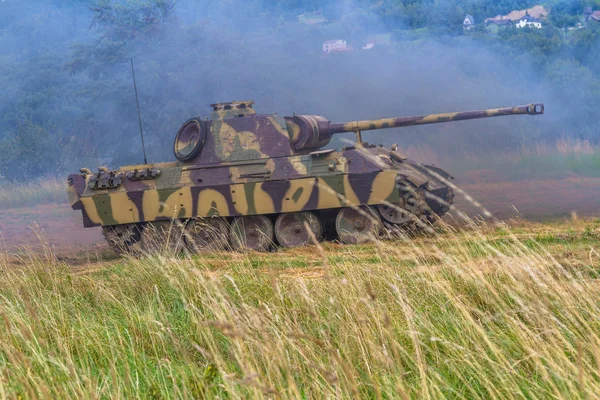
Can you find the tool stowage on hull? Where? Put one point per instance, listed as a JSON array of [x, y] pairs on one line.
[[246, 181]]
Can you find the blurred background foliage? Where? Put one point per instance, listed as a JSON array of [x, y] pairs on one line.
[[68, 101]]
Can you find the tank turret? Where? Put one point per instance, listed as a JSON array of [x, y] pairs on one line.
[[244, 180], [235, 132]]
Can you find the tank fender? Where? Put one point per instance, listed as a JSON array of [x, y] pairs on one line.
[[397, 156], [414, 180], [439, 171]]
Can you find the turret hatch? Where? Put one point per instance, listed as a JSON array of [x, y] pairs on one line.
[[233, 109]]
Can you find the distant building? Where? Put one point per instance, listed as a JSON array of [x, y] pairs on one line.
[[335, 45], [537, 12], [589, 15], [312, 18], [468, 22], [529, 22], [494, 26], [595, 16]]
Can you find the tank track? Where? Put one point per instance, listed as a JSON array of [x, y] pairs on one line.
[[124, 238]]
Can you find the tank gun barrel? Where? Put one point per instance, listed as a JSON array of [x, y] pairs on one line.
[[529, 109], [309, 132]]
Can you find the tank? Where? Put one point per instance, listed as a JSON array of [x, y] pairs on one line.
[[243, 180]]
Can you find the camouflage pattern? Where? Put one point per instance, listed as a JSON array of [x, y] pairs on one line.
[[239, 163]]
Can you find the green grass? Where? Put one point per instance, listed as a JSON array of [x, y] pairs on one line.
[[490, 312], [480, 314]]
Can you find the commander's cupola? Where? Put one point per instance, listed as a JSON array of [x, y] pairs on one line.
[[233, 109]]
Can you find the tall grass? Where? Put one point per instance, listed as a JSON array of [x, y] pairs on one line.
[[32, 193], [456, 316]]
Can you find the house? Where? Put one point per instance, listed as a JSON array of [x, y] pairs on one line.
[[330, 46], [312, 18], [595, 16], [494, 26], [468, 22], [590, 15], [529, 22], [537, 12]]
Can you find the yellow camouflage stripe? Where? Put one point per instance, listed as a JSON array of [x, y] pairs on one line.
[[249, 198]]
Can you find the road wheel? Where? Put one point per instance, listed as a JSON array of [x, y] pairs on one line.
[[163, 236], [253, 232], [291, 229], [357, 225], [207, 234]]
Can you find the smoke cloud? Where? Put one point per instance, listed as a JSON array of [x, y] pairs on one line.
[[68, 74]]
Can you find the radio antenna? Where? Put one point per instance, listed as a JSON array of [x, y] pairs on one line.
[[137, 102]]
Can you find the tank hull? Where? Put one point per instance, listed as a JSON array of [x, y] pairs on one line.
[[322, 182], [247, 181]]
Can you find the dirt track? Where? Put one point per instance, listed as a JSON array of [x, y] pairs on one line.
[[60, 227], [51, 224], [535, 199]]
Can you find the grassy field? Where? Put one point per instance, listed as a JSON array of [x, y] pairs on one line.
[[503, 311], [490, 312]]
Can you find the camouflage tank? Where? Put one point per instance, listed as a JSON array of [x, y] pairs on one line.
[[246, 181]]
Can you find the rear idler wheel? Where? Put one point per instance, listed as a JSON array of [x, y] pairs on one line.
[[298, 229], [207, 234], [254, 232], [123, 239], [357, 225], [163, 236]]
